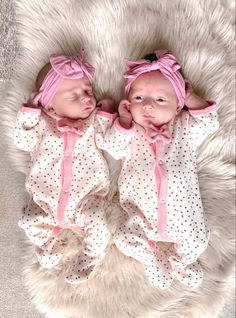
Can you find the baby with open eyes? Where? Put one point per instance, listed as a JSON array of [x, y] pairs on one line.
[[64, 131], [158, 185]]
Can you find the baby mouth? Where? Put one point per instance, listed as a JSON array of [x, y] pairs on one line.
[[87, 108], [148, 116]]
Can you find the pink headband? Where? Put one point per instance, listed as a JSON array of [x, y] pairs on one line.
[[167, 64], [62, 68]]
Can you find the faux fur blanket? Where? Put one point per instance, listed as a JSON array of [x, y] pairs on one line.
[[201, 35]]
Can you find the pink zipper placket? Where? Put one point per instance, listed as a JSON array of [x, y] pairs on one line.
[[161, 183], [66, 175]]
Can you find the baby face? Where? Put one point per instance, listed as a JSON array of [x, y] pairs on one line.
[[74, 99], [152, 100]]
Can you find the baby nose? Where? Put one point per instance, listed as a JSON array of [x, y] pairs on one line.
[[85, 99], [147, 105]]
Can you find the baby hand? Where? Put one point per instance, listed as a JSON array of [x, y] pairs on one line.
[[33, 101], [107, 105], [193, 101], [125, 118]]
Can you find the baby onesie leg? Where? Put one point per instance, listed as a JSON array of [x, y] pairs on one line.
[[190, 275], [40, 228], [94, 244], [50, 254], [37, 224], [131, 240], [159, 273], [186, 268]]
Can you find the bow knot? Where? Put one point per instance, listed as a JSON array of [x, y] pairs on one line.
[[155, 65], [70, 125], [158, 133], [72, 67]]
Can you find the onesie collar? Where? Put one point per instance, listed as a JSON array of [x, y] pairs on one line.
[[78, 126]]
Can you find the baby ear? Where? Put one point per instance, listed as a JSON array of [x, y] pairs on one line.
[[178, 110], [50, 109], [124, 104]]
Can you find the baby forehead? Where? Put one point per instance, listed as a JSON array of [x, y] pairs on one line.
[[152, 81], [70, 84], [154, 77]]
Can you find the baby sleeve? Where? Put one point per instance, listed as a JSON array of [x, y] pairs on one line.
[[27, 130], [111, 136], [202, 122]]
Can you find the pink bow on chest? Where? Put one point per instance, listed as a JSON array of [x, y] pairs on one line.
[[158, 133], [70, 125]]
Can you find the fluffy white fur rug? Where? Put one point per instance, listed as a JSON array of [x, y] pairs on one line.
[[201, 35]]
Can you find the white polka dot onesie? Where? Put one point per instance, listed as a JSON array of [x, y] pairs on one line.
[[67, 182], [160, 198]]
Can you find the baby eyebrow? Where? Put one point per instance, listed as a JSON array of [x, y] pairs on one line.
[[73, 90], [134, 94]]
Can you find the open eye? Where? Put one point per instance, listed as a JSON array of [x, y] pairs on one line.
[[160, 100], [138, 98]]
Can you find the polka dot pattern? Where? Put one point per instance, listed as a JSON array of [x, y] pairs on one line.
[[46, 182], [145, 176]]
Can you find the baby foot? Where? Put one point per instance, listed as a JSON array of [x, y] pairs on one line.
[[190, 275], [82, 266], [159, 273], [50, 254]]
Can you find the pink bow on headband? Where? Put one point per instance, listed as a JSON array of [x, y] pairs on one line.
[[72, 67], [62, 68], [166, 64]]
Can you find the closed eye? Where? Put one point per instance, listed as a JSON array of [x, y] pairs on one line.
[[70, 97], [89, 92]]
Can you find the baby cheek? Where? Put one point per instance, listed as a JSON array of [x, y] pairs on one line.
[[137, 117], [94, 102], [134, 108], [132, 111]]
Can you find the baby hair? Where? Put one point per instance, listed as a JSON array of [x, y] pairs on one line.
[[42, 74]]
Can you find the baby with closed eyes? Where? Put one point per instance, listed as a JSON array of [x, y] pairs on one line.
[[64, 132]]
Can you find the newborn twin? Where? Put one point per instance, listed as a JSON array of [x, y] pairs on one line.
[[155, 134]]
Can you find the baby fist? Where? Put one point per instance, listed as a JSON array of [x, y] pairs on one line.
[[193, 101], [107, 105], [125, 115]]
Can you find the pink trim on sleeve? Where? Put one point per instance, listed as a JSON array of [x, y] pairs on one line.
[[210, 108], [33, 110], [123, 130], [107, 115]]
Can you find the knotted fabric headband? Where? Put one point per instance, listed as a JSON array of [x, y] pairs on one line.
[[166, 64], [62, 68]]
